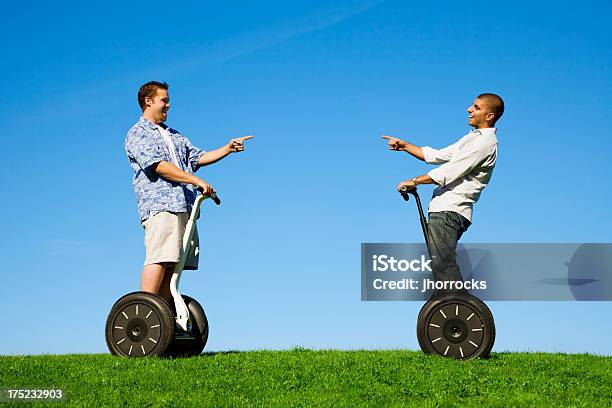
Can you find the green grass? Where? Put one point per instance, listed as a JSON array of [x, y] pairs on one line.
[[318, 378]]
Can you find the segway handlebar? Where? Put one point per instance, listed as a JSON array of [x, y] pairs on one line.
[[213, 196], [404, 191], [215, 199]]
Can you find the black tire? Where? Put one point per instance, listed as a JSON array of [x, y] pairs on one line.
[[140, 324], [456, 326], [192, 343]]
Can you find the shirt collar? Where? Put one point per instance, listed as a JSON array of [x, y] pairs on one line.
[[484, 131], [148, 123]]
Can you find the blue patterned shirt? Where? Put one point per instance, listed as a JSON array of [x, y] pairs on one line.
[[145, 147]]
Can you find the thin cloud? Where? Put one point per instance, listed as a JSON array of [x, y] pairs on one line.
[[263, 39], [71, 102]]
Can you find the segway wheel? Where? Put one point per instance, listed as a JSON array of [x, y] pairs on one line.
[[456, 326], [140, 324], [193, 342]]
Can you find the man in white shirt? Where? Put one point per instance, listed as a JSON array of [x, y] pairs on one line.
[[466, 168]]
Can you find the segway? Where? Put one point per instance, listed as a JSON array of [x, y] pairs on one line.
[[142, 324], [456, 325]]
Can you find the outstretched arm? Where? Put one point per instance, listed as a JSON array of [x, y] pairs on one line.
[[401, 145], [461, 164], [213, 156]]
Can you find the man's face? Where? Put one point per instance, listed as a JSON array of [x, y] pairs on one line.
[[480, 115], [157, 107]]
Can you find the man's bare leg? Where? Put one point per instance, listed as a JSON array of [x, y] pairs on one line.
[[156, 279], [152, 276], [164, 290]]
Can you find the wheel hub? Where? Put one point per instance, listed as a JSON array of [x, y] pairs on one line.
[[137, 330], [455, 330]]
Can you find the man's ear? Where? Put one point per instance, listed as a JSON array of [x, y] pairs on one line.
[[148, 101], [490, 117]]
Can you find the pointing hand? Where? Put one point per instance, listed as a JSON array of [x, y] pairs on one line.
[[395, 143], [237, 145]]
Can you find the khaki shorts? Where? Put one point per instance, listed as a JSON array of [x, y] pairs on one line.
[[164, 239]]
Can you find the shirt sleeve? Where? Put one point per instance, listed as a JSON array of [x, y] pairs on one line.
[[142, 149], [439, 156], [461, 163], [193, 155]]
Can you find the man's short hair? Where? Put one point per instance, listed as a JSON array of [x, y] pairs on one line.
[[495, 102], [148, 90]]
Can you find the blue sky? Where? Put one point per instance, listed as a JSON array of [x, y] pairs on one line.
[[317, 84]]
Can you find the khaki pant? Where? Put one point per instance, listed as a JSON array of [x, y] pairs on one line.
[[164, 239]]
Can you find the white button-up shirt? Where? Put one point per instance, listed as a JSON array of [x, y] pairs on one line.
[[467, 166]]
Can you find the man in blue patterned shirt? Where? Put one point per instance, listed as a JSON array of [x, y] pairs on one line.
[[164, 163]]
